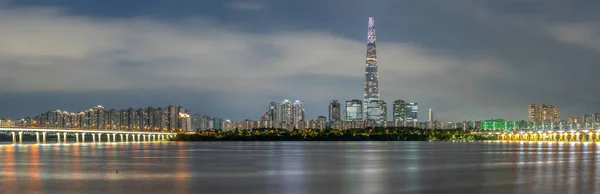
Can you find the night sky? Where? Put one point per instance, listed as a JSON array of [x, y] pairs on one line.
[[467, 59]]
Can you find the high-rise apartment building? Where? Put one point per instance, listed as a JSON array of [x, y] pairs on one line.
[[431, 119], [334, 111], [286, 112], [399, 110], [146, 119], [588, 118], [543, 112], [274, 112], [412, 112], [354, 110], [297, 112]]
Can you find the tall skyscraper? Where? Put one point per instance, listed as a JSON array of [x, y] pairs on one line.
[[543, 112], [431, 119], [334, 111], [399, 110], [354, 110], [374, 108], [412, 112], [371, 75]]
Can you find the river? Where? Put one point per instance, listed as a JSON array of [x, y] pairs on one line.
[[300, 167]]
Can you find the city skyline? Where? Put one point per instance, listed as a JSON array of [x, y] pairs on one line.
[[489, 62]]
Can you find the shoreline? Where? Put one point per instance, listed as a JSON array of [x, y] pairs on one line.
[[335, 135]]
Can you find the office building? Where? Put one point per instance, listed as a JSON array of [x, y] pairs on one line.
[[354, 110], [376, 111], [399, 111], [334, 111], [412, 112]]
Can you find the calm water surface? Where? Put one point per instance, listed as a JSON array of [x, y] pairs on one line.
[[300, 168]]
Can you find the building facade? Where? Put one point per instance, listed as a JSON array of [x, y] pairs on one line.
[[376, 111], [334, 111], [430, 119], [412, 112], [543, 112], [399, 111], [354, 110]]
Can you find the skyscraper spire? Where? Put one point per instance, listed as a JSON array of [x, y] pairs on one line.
[[371, 75]]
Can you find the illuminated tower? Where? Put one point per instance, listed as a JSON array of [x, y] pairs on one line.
[[371, 75], [374, 109]]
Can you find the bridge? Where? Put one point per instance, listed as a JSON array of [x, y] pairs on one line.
[[569, 136], [96, 135]]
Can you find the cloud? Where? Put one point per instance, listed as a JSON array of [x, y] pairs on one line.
[[581, 34], [246, 5], [48, 50]]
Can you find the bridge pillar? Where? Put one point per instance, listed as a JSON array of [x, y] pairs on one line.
[[20, 137], [108, 138], [58, 137], [37, 137], [99, 137], [83, 138], [43, 137], [93, 138], [144, 137], [138, 137], [65, 137], [76, 137], [126, 137], [114, 137], [14, 137], [122, 140]]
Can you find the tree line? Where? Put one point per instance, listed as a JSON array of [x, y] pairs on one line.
[[366, 134]]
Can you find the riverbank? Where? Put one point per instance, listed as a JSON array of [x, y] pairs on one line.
[[380, 134]]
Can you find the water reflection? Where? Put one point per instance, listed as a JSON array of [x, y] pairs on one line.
[[182, 170], [411, 170], [292, 167], [370, 177], [34, 181], [300, 167], [9, 177]]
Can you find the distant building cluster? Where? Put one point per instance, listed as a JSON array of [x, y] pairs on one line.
[[6, 122], [585, 119], [284, 114], [170, 118]]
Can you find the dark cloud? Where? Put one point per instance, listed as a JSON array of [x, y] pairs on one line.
[[467, 59]]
